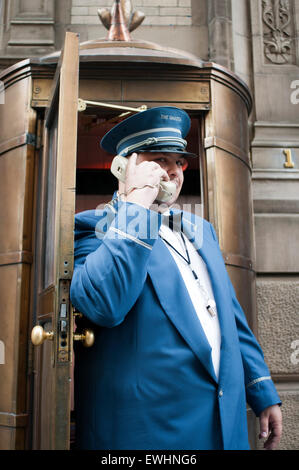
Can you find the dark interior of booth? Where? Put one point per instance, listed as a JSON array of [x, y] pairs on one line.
[[95, 184]]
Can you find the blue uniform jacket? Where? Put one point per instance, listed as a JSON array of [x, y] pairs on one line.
[[148, 381]]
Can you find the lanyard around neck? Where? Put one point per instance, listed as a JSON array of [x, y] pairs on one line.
[[210, 303], [187, 259]]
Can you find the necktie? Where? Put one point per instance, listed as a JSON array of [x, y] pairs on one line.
[[173, 221]]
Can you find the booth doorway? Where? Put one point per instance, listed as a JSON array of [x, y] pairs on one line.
[[95, 184]]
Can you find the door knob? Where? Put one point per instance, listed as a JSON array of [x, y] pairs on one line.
[[39, 335], [87, 338]]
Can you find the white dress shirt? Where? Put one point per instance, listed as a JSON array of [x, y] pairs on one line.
[[210, 324]]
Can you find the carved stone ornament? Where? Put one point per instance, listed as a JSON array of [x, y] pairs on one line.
[[277, 32], [132, 18]]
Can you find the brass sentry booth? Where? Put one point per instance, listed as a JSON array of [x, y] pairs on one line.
[[51, 166]]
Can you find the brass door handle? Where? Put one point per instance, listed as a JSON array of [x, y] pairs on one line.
[[87, 338], [39, 335]]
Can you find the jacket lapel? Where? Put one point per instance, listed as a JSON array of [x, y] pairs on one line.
[[177, 304]]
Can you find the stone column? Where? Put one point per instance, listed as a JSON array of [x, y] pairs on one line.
[[220, 32]]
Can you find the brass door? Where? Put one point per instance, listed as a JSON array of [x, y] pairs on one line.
[[53, 331]]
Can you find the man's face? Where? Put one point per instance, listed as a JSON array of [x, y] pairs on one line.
[[173, 163]]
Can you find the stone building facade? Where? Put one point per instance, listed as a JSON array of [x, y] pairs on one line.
[[259, 41]]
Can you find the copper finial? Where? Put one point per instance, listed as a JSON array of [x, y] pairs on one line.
[[121, 16], [118, 30]]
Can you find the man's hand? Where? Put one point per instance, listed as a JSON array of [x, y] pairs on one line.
[[271, 426], [142, 181]]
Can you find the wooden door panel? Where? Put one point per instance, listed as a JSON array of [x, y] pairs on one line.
[[47, 391], [53, 358]]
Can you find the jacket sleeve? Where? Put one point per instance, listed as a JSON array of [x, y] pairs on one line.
[[260, 389], [109, 277]]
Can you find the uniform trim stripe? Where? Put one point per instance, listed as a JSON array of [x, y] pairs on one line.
[[130, 237], [260, 379], [149, 131], [155, 141]]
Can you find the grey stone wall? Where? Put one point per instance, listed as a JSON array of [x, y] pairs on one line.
[[161, 13], [178, 24], [275, 163], [278, 323]]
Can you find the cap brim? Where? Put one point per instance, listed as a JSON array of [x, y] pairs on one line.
[[167, 150]]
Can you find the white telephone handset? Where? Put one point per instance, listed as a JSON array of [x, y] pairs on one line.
[[118, 169]]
